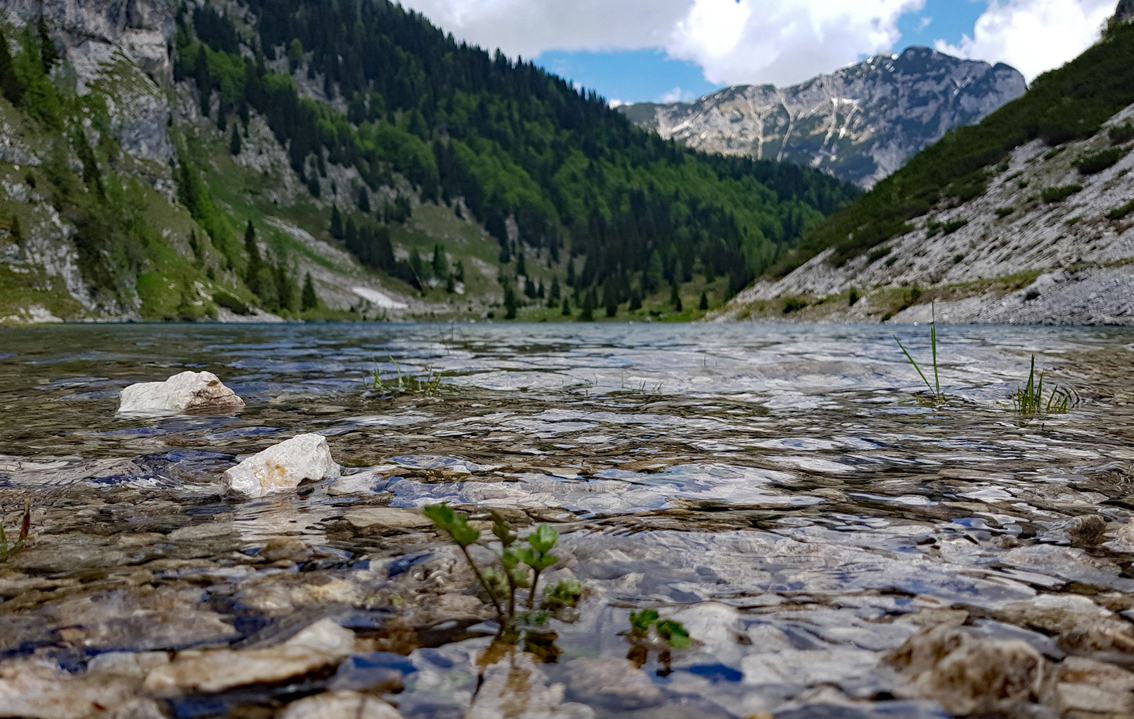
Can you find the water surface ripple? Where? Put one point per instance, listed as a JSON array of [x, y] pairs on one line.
[[776, 488]]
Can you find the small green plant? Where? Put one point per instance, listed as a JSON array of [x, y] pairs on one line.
[[852, 297], [1120, 213], [793, 304], [879, 253], [1058, 194], [1003, 212], [564, 595], [428, 385], [6, 551], [936, 396], [1121, 134], [1096, 162], [1028, 400], [519, 567], [672, 633]]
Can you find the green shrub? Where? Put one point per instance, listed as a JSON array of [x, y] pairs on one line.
[[1096, 162], [793, 304], [1059, 194], [1003, 212], [1119, 213], [231, 302], [1121, 134], [879, 253]]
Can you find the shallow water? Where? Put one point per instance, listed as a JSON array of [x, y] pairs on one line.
[[774, 486]]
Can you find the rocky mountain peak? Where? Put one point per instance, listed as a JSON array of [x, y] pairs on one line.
[[860, 123]]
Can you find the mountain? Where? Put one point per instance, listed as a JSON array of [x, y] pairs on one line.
[[1027, 217], [305, 159], [860, 123]]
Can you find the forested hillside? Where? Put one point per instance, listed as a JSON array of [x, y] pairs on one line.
[[506, 137], [348, 159]]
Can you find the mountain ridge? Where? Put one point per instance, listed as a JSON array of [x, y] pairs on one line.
[[859, 123]]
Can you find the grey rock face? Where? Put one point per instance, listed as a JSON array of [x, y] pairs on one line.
[[860, 123], [1125, 11]]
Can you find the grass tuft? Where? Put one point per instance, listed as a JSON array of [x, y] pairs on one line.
[[1029, 403], [936, 396]]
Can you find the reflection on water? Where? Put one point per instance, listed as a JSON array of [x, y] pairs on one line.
[[773, 488]]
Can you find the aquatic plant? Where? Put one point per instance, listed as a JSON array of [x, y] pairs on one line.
[[7, 551], [936, 396], [428, 385], [1028, 401], [672, 633], [520, 567]]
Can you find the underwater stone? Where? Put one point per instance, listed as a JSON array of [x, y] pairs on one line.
[[322, 644], [284, 466], [333, 705], [184, 392], [966, 674], [37, 691]]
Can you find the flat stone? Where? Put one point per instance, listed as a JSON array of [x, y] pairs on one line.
[[128, 664], [1085, 698], [335, 705], [322, 644], [36, 691], [365, 517], [801, 667], [283, 466], [966, 674], [184, 392]]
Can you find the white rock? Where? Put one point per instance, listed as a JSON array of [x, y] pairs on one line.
[[333, 705], [364, 517], [284, 466], [185, 392], [321, 644], [37, 691]]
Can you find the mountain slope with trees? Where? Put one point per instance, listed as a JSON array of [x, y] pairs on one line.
[[363, 144]]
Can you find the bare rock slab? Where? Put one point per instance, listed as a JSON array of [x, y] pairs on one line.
[[35, 691], [184, 392], [322, 644], [284, 466], [333, 705]]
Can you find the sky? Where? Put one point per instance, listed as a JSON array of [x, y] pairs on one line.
[[678, 50]]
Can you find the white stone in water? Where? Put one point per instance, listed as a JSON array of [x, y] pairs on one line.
[[322, 644], [334, 705], [284, 466], [184, 392]]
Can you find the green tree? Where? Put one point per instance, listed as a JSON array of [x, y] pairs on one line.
[[253, 274], [10, 84], [440, 263], [521, 266], [652, 277], [566, 307], [337, 223], [310, 300], [675, 295], [511, 302], [589, 304], [459, 271], [294, 54], [234, 141], [704, 304]]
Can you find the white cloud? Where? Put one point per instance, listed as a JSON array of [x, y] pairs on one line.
[[673, 95], [734, 41], [1034, 35], [766, 41]]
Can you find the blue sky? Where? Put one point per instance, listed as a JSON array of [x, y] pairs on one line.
[[664, 50], [648, 75]]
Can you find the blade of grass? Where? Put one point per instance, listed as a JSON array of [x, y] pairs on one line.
[[915, 365]]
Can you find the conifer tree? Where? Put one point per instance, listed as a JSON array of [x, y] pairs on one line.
[[553, 293], [310, 300], [675, 295], [459, 271], [589, 304], [704, 305], [566, 307], [9, 84], [234, 142], [521, 266], [255, 263], [336, 223], [364, 200], [571, 272], [440, 263], [510, 301]]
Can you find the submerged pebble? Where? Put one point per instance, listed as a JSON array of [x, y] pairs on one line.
[[184, 392]]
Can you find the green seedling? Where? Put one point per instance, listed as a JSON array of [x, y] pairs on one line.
[[6, 551], [429, 386], [519, 567], [1028, 400], [562, 596], [672, 633], [936, 396]]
